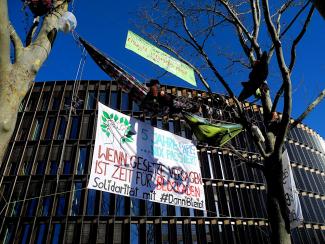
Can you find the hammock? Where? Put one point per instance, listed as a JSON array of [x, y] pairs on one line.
[[128, 83], [217, 134]]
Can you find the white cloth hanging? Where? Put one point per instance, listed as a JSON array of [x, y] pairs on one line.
[[291, 193]]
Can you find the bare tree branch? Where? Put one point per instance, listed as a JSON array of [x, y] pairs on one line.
[[281, 133], [276, 99], [293, 54], [4, 36], [201, 50], [308, 110], [299, 37], [205, 83], [212, 26], [256, 21], [288, 27], [31, 31], [15, 39], [234, 15], [41, 47]]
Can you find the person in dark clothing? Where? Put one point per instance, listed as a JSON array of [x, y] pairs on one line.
[[257, 77]]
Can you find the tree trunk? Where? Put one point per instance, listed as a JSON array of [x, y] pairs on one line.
[[276, 204], [14, 85]]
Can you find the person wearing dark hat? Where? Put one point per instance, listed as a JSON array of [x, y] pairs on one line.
[[150, 102]]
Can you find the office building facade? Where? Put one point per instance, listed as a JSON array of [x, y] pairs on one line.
[[43, 178]]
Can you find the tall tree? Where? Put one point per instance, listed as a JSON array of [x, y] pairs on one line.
[[17, 75], [188, 29]]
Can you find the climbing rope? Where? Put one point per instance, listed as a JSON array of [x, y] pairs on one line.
[[75, 102]]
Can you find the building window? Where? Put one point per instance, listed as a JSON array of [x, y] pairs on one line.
[[194, 235], [62, 127], [117, 233], [179, 234], [60, 206], [44, 101], [135, 206], [67, 99], [76, 199], [56, 234], [113, 100], [67, 167], [101, 234], [150, 208], [47, 206], [120, 205], [50, 128], [103, 97], [164, 234], [61, 199], [13, 168], [53, 167], [32, 103], [134, 234], [91, 100], [7, 235], [85, 234], [25, 127], [41, 234], [91, 198], [38, 125], [74, 127], [40, 170], [83, 151], [27, 167], [105, 203], [25, 234], [31, 207], [125, 101], [163, 209], [150, 234]]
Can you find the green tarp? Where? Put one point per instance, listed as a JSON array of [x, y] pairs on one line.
[[215, 134]]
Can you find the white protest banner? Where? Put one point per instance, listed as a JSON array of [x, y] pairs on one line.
[[132, 158], [291, 193]]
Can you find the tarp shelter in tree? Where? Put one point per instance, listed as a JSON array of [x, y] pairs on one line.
[[128, 83], [215, 134]]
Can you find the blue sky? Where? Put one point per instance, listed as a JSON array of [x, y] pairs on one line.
[[105, 25]]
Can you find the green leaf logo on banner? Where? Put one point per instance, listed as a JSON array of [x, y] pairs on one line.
[[148, 51], [112, 121]]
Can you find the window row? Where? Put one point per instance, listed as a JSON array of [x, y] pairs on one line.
[[119, 232], [233, 200], [302, 136], [302, 155], [59, 97], [313, 209], [55, 127], [50, 160], [309, 180], [308, 235], [220, 164]]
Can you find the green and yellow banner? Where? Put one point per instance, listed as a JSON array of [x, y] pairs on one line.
[[148, 51]]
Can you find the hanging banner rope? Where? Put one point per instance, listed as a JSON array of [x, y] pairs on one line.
[[148, 51], [134, 159]]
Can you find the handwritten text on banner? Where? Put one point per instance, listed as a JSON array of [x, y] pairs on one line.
[[148, 51], [132, 158]]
